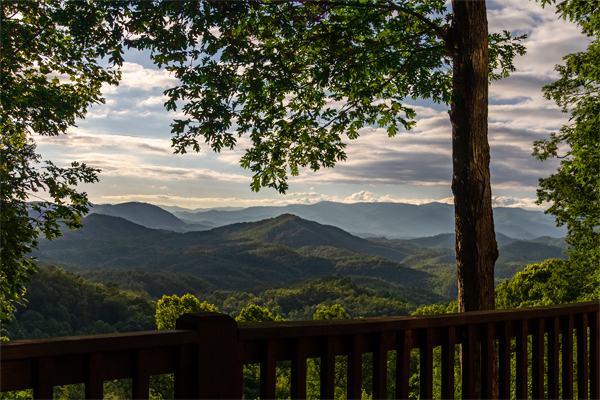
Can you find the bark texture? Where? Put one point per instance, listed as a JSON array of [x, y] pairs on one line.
[[476, 247]]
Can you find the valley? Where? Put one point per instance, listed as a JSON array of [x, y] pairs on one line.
[[286, 263]]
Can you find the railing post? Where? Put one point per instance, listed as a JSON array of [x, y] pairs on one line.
[[219, 375]]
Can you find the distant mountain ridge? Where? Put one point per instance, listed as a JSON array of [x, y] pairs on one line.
[[391, 220], [147, 215]]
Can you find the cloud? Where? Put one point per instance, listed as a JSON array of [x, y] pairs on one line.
[[370, 197], [84, 140], [126, 165], [364, 196], [303, 194], [153, 101], [203, 202], [134, 75], [515, 202]]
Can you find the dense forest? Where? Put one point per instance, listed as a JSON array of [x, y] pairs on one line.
[[62, 303]]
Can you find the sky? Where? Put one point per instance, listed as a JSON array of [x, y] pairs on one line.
[[129, 139]]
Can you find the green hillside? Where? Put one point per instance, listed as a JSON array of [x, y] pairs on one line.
[[270, 253], [147, 215], [296, 233], [285, 249], [61, 303]]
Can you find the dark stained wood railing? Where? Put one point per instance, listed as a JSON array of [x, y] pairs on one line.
[[207, 353]]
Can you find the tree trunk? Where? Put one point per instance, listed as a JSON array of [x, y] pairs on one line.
[[476, 247]]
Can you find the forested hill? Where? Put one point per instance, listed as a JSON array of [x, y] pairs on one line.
[[60, 303], [297, 233], [269, 253], [241, 256], [147, 215], [63, 304]]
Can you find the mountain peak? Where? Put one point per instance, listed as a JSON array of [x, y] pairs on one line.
[[147, 215]]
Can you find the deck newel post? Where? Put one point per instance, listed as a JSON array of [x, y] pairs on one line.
[[219, 375]]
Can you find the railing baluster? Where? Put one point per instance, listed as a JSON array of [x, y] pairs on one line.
[[186, 370], [382, 344], [426, 365], [537, 361], [328, 369], [521, 356], [553, 357], [404, 344], [268, 371], [298, 388], [582, 355], [354, 383], [504, 335], [448, 353], [44, 369], [94, 385], [594, 321], [567, 325], [469, 349], [140, 385], [488, 364]]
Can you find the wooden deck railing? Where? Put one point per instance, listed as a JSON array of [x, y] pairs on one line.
[[207, 353]]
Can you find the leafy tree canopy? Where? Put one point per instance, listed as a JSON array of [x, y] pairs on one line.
[[574, 191], [50, 76], [254, 313], [433, 309], [299, 76], [551, 282], [169, 308], [335, 311]]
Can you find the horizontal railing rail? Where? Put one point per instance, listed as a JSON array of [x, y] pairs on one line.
[[553, 350]]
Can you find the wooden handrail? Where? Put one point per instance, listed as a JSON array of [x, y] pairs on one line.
[[290, 329], [207, 353], [33, 348]]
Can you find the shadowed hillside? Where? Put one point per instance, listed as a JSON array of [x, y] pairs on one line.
[[235, 257], [147, 215]]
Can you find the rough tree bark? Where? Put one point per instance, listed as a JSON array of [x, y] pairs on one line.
[[476, 247]]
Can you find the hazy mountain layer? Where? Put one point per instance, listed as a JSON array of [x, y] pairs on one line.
[[392, 220], [148, 215]]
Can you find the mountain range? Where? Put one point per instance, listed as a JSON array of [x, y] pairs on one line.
[[148, 215], [390, 220], [275, 251]]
